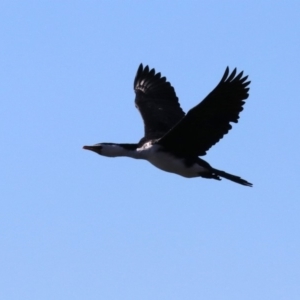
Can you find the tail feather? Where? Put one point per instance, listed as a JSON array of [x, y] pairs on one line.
[[231, 177]]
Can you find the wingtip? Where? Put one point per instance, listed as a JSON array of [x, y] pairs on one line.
[[225, 75]]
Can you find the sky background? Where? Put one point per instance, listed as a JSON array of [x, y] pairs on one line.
[[75, 225]]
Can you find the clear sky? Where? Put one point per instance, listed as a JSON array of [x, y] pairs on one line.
[[74, 225]]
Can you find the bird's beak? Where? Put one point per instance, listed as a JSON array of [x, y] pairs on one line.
[[89, 148], [95, 148]]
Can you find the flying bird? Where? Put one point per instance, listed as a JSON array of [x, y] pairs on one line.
[[173, 140]]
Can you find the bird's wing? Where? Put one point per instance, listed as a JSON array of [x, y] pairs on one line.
[[157, 102], [205, 124]]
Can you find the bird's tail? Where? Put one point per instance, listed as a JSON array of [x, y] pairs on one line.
[[231, 177]]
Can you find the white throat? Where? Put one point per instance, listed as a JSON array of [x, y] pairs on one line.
[[113, 150]]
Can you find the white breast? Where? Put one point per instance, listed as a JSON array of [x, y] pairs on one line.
[[166, 162]]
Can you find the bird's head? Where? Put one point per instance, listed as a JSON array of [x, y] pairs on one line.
[[95, 148], [106, 149]]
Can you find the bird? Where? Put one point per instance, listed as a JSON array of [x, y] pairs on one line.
[[173, 140]]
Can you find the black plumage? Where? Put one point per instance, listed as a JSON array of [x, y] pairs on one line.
[[205, 124], [173, 140], [157, 102]]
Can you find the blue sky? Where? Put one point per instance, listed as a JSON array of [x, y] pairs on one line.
[[74, 225]]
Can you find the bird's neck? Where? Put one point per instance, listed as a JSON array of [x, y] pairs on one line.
[[116, 150]]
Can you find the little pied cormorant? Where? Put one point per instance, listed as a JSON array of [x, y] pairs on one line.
[[173, 140]]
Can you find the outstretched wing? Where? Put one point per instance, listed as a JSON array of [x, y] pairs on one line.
[[205, 124], [157, 102]]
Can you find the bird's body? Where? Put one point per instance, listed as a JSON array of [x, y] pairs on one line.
[[173, 140], [165, 161]]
